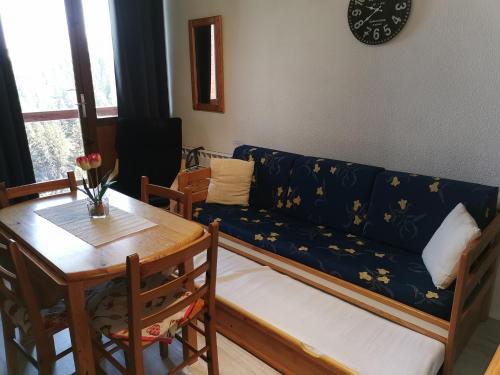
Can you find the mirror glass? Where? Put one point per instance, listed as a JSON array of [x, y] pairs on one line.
[[206, 64]]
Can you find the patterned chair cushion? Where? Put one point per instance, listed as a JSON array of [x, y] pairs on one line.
[[271, 173], [54, 318], [330, 192], [406, 209], [386, 270], [108, 310]]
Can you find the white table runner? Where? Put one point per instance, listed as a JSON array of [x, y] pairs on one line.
[[74, 218]]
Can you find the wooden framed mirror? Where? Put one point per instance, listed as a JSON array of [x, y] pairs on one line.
[[207, 68]]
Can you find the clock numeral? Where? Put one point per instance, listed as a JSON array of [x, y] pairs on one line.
[[356, 12], [387, 30], [358, 24], [396, 20], [367, 32], [400, 6], [359, 2], [376, 34]]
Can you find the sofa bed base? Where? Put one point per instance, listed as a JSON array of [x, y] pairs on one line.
[[279, 350]]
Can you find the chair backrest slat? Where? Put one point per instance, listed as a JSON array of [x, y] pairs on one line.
[[173, 260], [182, 199], [175, 284], [7, 194]]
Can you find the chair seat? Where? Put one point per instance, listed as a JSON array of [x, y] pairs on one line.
[[107, 307], [54, 318]]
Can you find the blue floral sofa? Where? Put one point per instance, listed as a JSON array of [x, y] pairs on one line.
[[359, 223]]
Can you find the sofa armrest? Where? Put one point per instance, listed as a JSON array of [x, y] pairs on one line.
[[197, 181]]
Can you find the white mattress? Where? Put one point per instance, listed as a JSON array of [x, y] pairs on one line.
[[362, 341]]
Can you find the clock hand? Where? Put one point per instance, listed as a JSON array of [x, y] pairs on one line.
[[371, 15]]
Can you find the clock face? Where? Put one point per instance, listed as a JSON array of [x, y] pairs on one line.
[[375, 21]]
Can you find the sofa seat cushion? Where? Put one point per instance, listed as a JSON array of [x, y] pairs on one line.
[[270, 176], [383, 269], [330, 192], [406, 209]]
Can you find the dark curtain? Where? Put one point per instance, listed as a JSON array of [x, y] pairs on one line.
[[203, 47], [16, 167], [140, 59], [148, 141]]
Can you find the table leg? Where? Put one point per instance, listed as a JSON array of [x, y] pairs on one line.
[[79, 329]]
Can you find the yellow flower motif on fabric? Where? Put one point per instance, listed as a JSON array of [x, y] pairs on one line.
[[383, 279], [357, 220], [319, 191], [244, 209], [198, 209], [360, 243], [379, 255], [263, 211], [274, 234], [243, 219], [321, 226], [333, 170], [365, 276], [357, 205], [434, 188], [437, 178], [289, 190], [297, 200], [387, 217], [278, 224], [350, 251], [403, 203], [333, 247], [432, 295], [268, 216], [252, 149], [280, 191], [279, 204], [258, 237], [275, 152], [350, 235], [303, 248], [196, 214], [327, 234], [255, 221], [250, 157], [272, 239], [262, 160], [288, 203], [395, 182], [382, 271], [317, 168]]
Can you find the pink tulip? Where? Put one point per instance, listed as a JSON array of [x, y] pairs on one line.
[[95, 160], [83, 162]]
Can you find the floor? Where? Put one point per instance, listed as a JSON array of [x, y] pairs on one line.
[[234, 360]]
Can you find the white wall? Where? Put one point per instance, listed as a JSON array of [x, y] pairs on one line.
[[296, 79]]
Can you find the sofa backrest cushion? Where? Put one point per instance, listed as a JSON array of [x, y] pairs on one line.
[[406, 209], [330, 192], [270, 176]]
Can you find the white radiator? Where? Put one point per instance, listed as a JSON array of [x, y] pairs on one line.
[[205, 155]]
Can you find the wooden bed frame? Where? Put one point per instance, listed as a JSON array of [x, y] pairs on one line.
[[471, 301]]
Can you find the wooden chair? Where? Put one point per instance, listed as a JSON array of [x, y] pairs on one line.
[[7, 194], [183, 200], [20, 308], [128, 299]]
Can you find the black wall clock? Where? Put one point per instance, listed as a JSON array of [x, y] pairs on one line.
[[377, 21]]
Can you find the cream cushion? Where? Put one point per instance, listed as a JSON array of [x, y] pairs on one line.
[[230, 181], [442, 254]]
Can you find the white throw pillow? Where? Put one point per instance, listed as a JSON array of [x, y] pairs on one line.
[[442, 254], [230, 181]]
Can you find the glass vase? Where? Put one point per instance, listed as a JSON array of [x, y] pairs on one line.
[[98, 209]]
